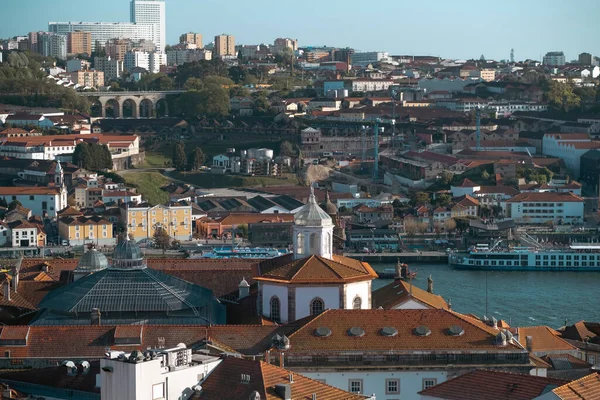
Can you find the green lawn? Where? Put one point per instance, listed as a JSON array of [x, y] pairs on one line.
[[154, 160], [149, 185], [209, 181]]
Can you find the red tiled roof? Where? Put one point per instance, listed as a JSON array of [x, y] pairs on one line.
[[399, 292], [29, 190], [536, 197], [468, 183], [586, 388], [544, 339], [491, 385]]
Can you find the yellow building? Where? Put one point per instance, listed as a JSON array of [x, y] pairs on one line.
[[225, 46], [89, 78], [143, 220], [488, 74], [79, 43], [191, 38], [78, 230]]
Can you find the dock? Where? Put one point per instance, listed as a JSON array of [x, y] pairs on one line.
[[406, 257]]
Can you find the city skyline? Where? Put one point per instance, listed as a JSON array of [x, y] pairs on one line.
[[529, 29]]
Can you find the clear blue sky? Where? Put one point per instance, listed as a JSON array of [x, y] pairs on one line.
[[450, 29]]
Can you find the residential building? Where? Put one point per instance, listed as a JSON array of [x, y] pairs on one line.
[[586, 388], [117, 48], [155, 374], [223, 226], [182, 56], [281, 44], [586, 337], [88, 78], [374, 239], [405, 351], [540, 208], [191, 38], [403, 295], [52, 45], [569, 147], [120, 196], [40, 121], [504, 109], [79, 230], [225, 46], [79, 43], [368, 85], [371, 214], [18, 132], [362, 59], [104, 31], [137, 59], [590, 169], [156, 61], [585, 59], [24, 234], [467, 187], [112, 68], [152, 13], [142, 220], [495, 196], [487, 74], [42, 201], [554, 59]]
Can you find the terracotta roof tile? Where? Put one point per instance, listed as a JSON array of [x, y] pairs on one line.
[[544, 339], [545, 197], [586, 388], [398, 292], [491, 385]]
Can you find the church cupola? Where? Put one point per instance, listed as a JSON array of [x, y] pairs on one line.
[[313, 230]]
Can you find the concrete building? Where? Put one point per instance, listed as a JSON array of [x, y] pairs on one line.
[[151, 12], [117, 48], [42, 201], [585, 59], [182, 56], [104, 31], [26, 234], [112, 68], [157, 59], [363, 59], [137, 59], [554, 59], [540, 208], [281, 44], [191, 38], [225, 46], [569, 147], [52, 45], [79, 43], [88, 78], [142, 220]]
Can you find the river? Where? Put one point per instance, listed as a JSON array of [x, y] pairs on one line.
[[520, 298]]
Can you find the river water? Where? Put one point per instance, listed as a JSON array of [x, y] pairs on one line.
[[520, 298]]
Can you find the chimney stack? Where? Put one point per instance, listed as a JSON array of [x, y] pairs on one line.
[[529, 343], [95, 316], [281, 360], [6, 290], [268, 356]]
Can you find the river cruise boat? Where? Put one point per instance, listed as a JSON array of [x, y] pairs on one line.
[[574, 257], [244, 252]]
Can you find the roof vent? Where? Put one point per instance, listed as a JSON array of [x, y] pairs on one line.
[[389, 331], [509, 335], [500, 339], [456, 330], [422, 330], [323, 331], [356, 331]]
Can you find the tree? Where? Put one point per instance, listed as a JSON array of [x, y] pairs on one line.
[[3, 202], [211, 101], [196, 159], [242, 231], [261, 105], [162, 240], [561, 97], [93, 157], [179, 157], [419, 198], [450, 224], [443, 200], [238, 91], [82, 156], [14, 204], [446, 177], [287, 149], [410, 226], [193, 84]]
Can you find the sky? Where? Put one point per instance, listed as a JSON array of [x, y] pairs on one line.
[[449, 29]]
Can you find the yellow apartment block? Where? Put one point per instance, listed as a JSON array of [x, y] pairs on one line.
[[142, 220], [79, 230]]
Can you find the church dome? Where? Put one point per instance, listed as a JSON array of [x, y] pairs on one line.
[[311, 214], [328, 206], [92, 261], [127, 255]]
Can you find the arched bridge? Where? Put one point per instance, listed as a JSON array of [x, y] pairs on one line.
[[143, 104]]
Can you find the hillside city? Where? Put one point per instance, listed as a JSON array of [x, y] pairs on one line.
[[216, 220]]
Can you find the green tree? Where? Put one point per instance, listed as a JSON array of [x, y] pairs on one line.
[[446, 177], [162, 240], [82, 156], [211, 101], [179, 157], [196, 159], [419, 198], [238, 91], [193, 84], [443, 200], [242, 230], [261, 105], [287, 149], [14, 204], [561, 97], [586, 94], [3, 202]]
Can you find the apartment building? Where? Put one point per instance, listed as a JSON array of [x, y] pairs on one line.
[[225, 46], [191, 38], [79, 43], [541, 208], [26, 234], [152, 13], [79, 230], [104, 31], [142, 220], [112, 68], [42, 201], [88, 78], [281, 44], [487, 74], [554, 59]]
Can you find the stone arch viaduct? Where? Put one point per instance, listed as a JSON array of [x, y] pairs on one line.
[[147, 99]]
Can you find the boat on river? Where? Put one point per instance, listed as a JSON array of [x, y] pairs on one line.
[[244, 252], [573, 257]]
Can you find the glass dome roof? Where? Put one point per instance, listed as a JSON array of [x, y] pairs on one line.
[[128, 255], [92, 261]]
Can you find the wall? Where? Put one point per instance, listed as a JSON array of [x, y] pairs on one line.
[[411, 305], [375, 382], [304, 295], [269, 290], [362, 289]]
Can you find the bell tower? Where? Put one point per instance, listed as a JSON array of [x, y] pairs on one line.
[[312, 231]]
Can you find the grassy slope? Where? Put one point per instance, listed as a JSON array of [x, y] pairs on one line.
[[208, 180], [149, 184]]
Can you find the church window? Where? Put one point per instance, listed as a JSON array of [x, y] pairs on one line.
[[314, 243], [328, 243], [357, 303], [300, 243], [316, 306], [275, 309]]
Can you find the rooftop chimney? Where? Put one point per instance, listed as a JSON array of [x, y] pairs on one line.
[[95, 316], [6, 290], [284, 391], [243, 289], [314, 396], [268, 356], [281, 360], [15, 280], [529, 343]]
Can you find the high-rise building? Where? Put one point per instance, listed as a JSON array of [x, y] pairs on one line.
[[554, 59], [116, 48], [191, 38], [79, 43], [32, 37], [104, 31], [225, 46], [151, 12], [113, 69], [585, 59], [285, 43], [52, 45]]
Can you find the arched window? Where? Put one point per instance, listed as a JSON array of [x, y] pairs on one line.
[[275, 309], [328, 243], [357, 303], [314, 244], [300, 243], [316, 306]]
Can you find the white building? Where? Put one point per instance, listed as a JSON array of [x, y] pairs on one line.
[[370, 85], [540, 208], [157, 59], [113, 69], [104, 31], [151, 12], [569, 147], [182, 56], [315, 279], [120, 196], [23, 234], [365, 58], [40, 200], [154, 374], [490, 196], [554, 59], [140, 59], [52, 45], [467, 186], [507, 108]]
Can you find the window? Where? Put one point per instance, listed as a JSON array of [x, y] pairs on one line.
[[31, 197], [392, 386], [300, 243], [316, 306], [429, 382], [275, 309], [591, 359], [158, 391], [357, 303], [355, 385]]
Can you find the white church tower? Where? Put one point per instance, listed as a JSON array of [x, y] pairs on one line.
[[313, 231]]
